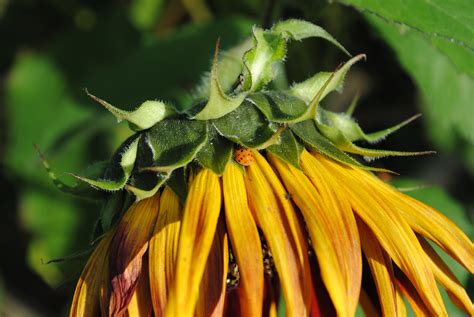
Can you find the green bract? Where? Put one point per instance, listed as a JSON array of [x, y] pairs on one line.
[[235, 107]]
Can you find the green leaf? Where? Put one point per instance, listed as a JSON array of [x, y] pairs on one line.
[[145, 116], [175, 143], [447, 93], [39, 111], [309, 134], [278, 106], [245, 125], [300, 29], [287, 149], [446, 25], [219, 104], [216, 153], [119, 169], [308, 89]]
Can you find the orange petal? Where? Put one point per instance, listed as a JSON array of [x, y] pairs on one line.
[[333, 231], [163, 249], [447, 279], [140, 305], [86, 301], [198, 227], [381, 268], [214, 282], [127, 248], [245, 242], [391, 230], [268, 215], [430, 223]]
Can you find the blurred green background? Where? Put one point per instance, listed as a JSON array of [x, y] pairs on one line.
[[420, 60]]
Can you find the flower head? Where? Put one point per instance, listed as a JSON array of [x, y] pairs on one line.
[[251, 196]]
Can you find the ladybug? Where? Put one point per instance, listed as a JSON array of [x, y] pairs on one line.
[[244, 156]]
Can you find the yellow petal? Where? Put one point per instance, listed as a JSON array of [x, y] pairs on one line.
[[127, 248], [429, 222], [245, 242], [163, 249], [447, 279], [212, 294], [333, 231], [391, 230], [267, 211], [198, 227], [86, 301], [140, 304], [382, 270]]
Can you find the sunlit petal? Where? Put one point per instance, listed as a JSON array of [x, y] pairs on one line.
[[333, 233], [245, 241], [267, 212], [198, 227], [163, 249]]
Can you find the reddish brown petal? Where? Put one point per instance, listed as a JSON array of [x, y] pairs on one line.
[[127, 249], [212, 292]]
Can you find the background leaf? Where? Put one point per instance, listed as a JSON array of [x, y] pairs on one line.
[[447, 25], [447, 94]]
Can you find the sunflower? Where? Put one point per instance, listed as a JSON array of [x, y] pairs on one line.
[[251, 198]]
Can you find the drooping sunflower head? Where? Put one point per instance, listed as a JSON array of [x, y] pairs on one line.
[[251, 196]]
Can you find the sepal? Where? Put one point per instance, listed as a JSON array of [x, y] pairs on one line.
[[144, 117], [299, 30], [288, 149], [175, 143], [219, 104], [309, 134], [270, 48], [119, 169], [308, 89], [216, 152], [246, 126], [79, 189]]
